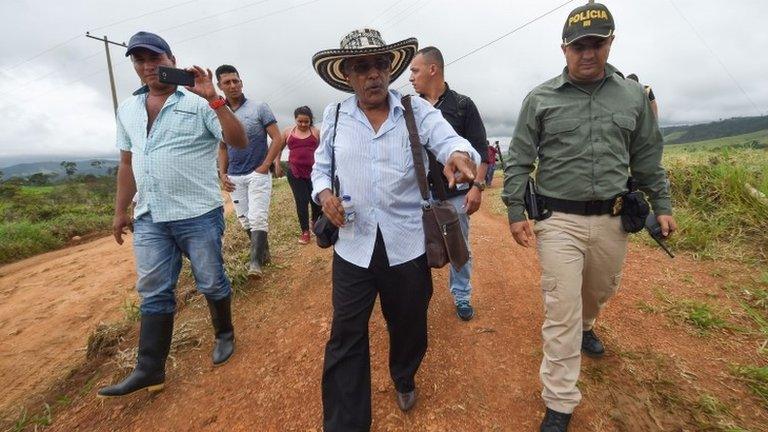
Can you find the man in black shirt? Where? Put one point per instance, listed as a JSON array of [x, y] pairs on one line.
[[428, 81]]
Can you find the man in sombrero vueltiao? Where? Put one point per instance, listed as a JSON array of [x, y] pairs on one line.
[[382, 250]]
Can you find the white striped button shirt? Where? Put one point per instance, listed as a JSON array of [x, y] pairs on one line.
[[175, 164], [376, 170]]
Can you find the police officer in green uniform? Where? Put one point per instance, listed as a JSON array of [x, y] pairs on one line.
[[591, 129]]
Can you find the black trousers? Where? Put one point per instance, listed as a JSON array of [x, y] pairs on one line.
[[404, 291], [302, 194]]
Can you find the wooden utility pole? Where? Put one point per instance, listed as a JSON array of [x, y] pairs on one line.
[[109, 65]]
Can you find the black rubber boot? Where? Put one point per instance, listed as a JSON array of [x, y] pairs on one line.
[[221, 317], [591, 345], [555, 421], [154, 343], [263, 246], [267, 255], [254, 265]]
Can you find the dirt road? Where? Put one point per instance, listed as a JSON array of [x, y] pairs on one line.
[[480, 375], [49, 304]]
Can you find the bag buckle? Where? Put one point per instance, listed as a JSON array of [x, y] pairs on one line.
[[618, 205]]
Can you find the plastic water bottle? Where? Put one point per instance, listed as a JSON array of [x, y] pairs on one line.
[[349, 209]]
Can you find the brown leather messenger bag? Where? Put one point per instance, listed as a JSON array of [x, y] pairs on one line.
[[443, 240]]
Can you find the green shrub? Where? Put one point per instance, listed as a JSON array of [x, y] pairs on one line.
[[714, 205], [37, 219]]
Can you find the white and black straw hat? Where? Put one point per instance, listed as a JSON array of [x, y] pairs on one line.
[[358, 43]]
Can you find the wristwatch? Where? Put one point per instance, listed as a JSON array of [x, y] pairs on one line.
[[217, 103], [479, 185]]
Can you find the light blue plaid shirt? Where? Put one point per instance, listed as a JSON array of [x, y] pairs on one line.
[[376, 170], [175, 164]]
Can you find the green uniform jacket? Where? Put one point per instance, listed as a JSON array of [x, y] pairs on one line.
[[587, 144]]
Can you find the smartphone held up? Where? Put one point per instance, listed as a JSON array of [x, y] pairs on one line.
[[175, 76]]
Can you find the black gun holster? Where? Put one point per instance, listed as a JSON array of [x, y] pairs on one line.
[[633, 208], [535, 204]]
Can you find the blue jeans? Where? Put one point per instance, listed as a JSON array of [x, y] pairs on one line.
[[158, 248], [489, 174], [461, 288]]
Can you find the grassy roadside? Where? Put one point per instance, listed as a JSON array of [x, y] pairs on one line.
[[37, 219]]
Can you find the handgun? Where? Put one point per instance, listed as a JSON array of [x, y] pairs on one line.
[[654, 230]]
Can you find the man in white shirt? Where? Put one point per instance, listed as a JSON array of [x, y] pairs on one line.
[[382, 251]]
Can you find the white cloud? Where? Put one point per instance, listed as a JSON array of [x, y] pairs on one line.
[[75, 120], [42, 109]]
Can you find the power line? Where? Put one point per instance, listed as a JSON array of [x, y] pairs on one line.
[[96, 53], [380, 14], [181, 41], [411, 14], [551, 11], [214, 15], [246, 21], [297, 80], [714, 54], [143, 15], [73, 38], [514, 30], [41, 53], [295, 83], [402, 13]]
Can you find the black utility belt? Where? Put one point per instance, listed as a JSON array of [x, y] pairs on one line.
[[611, 206]]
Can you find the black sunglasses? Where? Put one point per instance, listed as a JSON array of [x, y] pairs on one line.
[[381, 63]]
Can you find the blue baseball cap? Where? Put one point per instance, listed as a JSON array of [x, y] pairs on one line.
[[149, 41]]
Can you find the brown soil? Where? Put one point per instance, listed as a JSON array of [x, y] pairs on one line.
[[49, 304], [480, 375]]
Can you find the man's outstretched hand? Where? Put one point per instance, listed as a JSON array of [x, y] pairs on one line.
[[459, 169]]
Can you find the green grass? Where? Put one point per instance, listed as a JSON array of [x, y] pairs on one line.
[[711, 405], [753, 299], [702, 316], [673, 136], [716, 213], [36, 219], [283, 233], [756, 378], [761, 137], [37, 190]]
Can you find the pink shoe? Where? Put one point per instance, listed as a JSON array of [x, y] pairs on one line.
[[304, 238]]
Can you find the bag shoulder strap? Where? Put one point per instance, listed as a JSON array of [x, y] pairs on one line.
[[438, 179], [334, 180], [413, 137]]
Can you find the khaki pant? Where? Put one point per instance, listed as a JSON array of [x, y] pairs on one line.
[[581, 259]]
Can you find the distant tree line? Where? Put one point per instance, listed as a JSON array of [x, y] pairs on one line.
[[46, 179], [718, 129]]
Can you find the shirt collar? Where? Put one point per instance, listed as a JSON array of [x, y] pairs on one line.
[[442, 96], [563, 79], [445, 92], [145, 90], [243, 99], [349, 105], [396, 109]]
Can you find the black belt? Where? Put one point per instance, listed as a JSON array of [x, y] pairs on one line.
[[584, 208]]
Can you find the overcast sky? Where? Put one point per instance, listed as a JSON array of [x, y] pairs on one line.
[[59, 105]]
